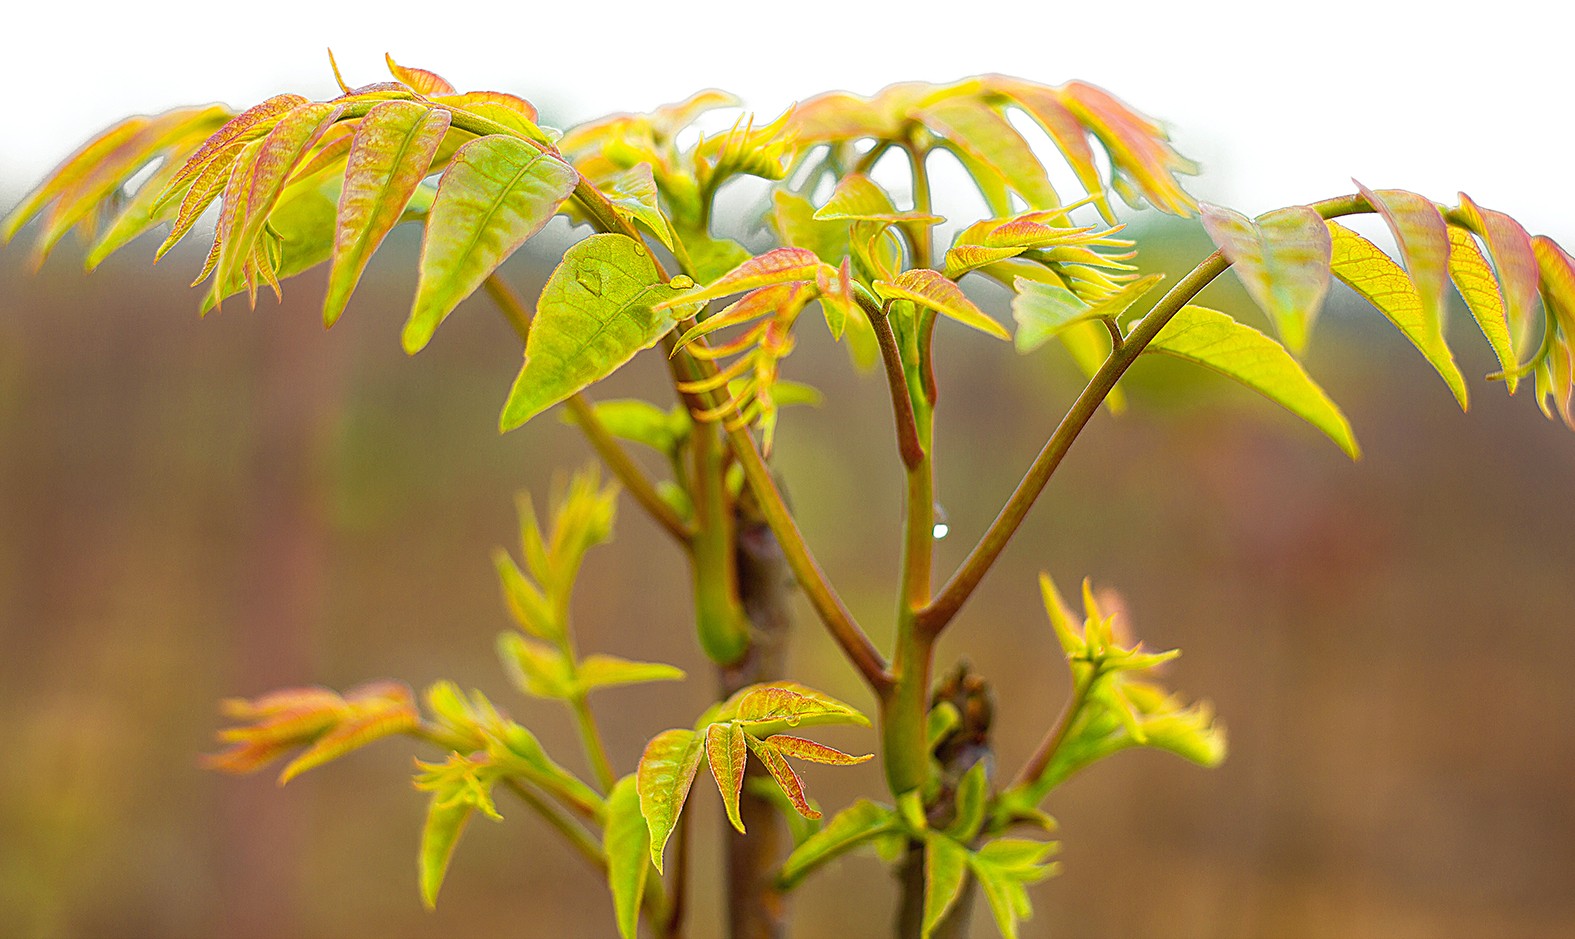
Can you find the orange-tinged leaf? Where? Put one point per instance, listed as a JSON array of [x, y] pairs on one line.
[[835, 286], [1138, 146], [247, 125], [495, 195], [840, 115], [770, 709], [727, 752], [70, 172], [1510, 248], [1558, 281], [1282, 258], [1380, 281], [205, 187], [1070, 137], [1474, 279], [973, 127], [232, 212], [420, 80], [389, 156], [786, 779], [777, 266], [757, 302], [352, 734], [140, 214], [667, 770], [809, 750], [932, 290], [1423, 237]]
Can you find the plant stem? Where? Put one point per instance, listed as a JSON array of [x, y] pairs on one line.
[[908, 445], [1046, 751], [606, 446], [719, 620], [581, 840], [591, 740]]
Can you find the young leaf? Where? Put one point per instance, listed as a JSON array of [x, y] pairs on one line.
[[945, 873], [248, 125], [390, 154], [1513, 257], [419, 80], [1381, 282], [849, 828], [1282, 258], [931, 289], [667, 770], [1479, 288], [727, 752], [378, 711], [1139, 147], [71, 172], [1214, 340], [536, 668], [794, 219], [812, 752], [1004, 868], [858, 198], [973, 796], [140, 214], [633, 195], [439, 836], [1070, 137], [777, 266], [974, 128], [605, 671], [627, 843], [771, 709], [1423, 237], [786, 779], [1044, 311], [602, 304], [496, 193]]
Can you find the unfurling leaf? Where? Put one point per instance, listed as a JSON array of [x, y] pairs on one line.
[[1044, 311], [726, 752], [390, 154], [773, 708], [602, 304], [1215, 340], [932, 290], [945, 873], [1380, 281], [627, 843], [853, 826], [667, 771], [1282, 258], [496, 193], [328, 725], [536, 668]]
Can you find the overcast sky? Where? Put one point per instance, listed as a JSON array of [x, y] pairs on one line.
[[1281, 102]]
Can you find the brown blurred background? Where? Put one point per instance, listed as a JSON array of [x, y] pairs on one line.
[[191, 510]]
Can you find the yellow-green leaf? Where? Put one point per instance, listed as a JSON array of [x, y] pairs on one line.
[[606, 671], [420, 80], [783, 774], [633, 195], [931, 289], [1423, 238], [627, 843], [1380, 281], [536, 668], [1513, 257], [848, 829], [945, 873], [1139, 148], [667, 770], [1282, 258], [439, 836], [793, 217], [602, 304], [771, 709], [390, 154], [1070, 137], [140, 214], [777, 266], [71, 171], [1213, 339], [1479, 288], [1044, 311], [247, 125], [858, 198], [496, 193], [726, 752]]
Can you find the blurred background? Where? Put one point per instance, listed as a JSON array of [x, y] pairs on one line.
[[194, 510]]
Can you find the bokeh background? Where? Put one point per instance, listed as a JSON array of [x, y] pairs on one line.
[[197, 509]]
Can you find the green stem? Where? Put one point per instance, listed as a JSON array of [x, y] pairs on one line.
[[955, 593], [719, 619], [591, 740], [581, 840], [1051, 744], [908, 445]]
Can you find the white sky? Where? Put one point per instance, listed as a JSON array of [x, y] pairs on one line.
[[1281, 102]]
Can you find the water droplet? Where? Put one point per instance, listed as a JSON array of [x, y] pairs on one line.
[[640, 250], [942, 528], [681, 282], [792, 720], [591, 281]]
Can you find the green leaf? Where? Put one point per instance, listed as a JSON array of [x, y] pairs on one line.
[[727, 753], [1215, 340], [1479, 288], [536, 668], [439, 836], [602, 304], [931, 289], [846, 830], [496, 193], [605, 671], [1282, 258], [858, 198], [667, 770], [390, 154], [1380, 281], [529, 607], [945, 874], [772, 709], [793, 218], [1004, 868], [973, 796], [627, 841], [1044, 311], [633, 195], [642, 422], [783, 774]]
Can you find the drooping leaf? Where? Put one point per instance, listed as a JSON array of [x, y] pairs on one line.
[[1515, 261], [1214, 340], [1043, 311], [1282, 258], [783, 774], [667, 770], [496, 194], [377, 711], [813, 752], [727, 752], [977, 130], [1380, 281], [205, 187], [1420, 231], [627, 842], [777, 266], [439, 836], [1139, 148], [1479, 288], [849, 828], [248, 125], [606, 671], [71, 172], [931, 289], [945, 873], [390, 154], [602, 304], [1070, 137], [140, 214]]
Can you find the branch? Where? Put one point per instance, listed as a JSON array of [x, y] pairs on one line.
[[934, 618], [606, 446], [908, 444]]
